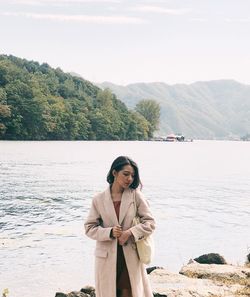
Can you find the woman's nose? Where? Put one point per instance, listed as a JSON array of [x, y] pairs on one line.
[[130, 178]]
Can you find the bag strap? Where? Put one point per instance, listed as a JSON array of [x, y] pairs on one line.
[[135, 207]]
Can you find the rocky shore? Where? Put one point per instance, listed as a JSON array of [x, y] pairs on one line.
[[202, 280], [194, 280]]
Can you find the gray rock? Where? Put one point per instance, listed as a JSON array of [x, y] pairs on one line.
[[60, 294], [191, 261], [150, 269], [211, 258], [248, 258], [215, 271], [72, 294], [89, 290], [170, 284], [78, 294]]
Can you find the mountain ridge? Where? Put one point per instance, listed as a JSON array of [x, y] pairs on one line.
[[216, 109], [165, 83]]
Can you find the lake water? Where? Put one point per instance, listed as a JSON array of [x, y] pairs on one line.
[[199, 193]]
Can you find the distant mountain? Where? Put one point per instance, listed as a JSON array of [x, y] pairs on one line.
[[206, 110]]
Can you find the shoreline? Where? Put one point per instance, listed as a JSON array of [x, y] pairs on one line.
[[193, 279]]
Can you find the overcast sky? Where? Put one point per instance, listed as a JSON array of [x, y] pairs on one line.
[[123, 41]]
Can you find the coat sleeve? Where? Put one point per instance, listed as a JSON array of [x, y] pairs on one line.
[[94, 226], [147, 225]]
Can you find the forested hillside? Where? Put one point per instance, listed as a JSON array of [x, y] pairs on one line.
[[38, 102], [206, 110]]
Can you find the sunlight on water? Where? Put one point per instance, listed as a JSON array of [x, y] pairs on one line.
[[198, 192]]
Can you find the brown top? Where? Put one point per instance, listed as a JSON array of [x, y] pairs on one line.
[[117, 205], [122, 277]]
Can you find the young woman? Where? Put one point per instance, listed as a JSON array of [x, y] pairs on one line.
[[118, 270]]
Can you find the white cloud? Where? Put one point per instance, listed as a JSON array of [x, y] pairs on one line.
[[162, 10], [59, 2], [94, 19]]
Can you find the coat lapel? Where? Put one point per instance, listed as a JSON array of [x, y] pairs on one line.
[[127, 199], [109, 207]]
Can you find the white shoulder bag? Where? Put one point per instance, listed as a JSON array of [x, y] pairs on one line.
[[145, 246]]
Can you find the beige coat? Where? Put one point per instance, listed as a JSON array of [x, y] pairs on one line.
[[101, 219]]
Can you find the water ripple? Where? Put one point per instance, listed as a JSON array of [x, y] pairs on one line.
[[45, 195]]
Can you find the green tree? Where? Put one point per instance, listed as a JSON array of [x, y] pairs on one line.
[[5, 113], [39, 102], [27, 109], [55, 118], [106, 118], [150, 110], [138, 128]]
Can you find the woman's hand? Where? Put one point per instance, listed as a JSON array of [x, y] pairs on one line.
[[117, 231], [124, 237]]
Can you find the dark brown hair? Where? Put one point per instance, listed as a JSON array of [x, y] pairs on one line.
[[118, 165]]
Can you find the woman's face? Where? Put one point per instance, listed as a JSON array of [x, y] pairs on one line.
[[125, 177]]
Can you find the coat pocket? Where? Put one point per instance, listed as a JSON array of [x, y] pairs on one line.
[[101, 253]]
